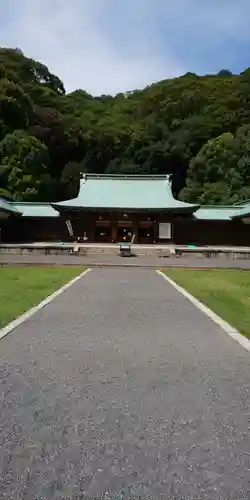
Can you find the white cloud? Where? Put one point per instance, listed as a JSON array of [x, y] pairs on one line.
[[68, 37], [110, 46]]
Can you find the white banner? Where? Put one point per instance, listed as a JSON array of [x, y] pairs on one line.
[[69, 227], [165, 231]]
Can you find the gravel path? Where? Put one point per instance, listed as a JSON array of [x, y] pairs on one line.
[[117, 261], [121, 389]]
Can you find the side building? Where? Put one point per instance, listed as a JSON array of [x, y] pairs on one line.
[[113, 208]]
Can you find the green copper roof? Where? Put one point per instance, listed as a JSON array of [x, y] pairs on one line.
[[216, 213], [32, 209], [242, 212], [6, 206], [132, 193], [109, 192]]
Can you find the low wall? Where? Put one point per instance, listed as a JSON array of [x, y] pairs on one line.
[[137, 250], [54, 250], [206, 254]]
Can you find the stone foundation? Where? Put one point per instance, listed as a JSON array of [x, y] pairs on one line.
[[138, 250]]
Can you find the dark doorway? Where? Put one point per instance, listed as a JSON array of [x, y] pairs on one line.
[[146, 234], [124, 233], [103, 234]]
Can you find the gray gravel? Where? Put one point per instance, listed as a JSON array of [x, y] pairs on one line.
[[118, 261], [121, 389]]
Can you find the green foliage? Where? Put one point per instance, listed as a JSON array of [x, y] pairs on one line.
[[196, 128], [24, 164], [220, 173]]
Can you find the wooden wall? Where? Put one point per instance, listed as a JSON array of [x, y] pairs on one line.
[[200, 232], [184, 230], [28, 230]]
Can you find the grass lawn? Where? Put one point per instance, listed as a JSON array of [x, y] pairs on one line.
[[226, 292], [24, 287]]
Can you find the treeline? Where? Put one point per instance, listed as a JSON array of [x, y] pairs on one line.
[[197, 128]]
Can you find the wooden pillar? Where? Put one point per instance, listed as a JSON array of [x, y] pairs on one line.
[[91, 227], [135, 227], [91, 237], [156, 228], [113, 231], [156, 231], [86, 225], [114, 218]]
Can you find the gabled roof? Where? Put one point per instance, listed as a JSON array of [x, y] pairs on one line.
[[34, 209], [7, 207], [217, 212], [126, 192], [242, 203], [229, 212], [242, 212]]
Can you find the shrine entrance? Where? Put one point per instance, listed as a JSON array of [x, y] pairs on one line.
[[124, 231], [146, 233]]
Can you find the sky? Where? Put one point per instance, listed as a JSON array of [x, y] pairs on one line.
[[111, 46]]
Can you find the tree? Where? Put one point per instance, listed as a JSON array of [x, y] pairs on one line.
[[194, 127], [70, 180], [25, 162], [224, 72], [16, 107], [221, 170]]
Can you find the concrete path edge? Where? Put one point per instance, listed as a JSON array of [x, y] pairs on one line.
[[230, 330], [28, 314]]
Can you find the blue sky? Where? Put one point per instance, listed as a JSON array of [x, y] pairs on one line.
[[110, 46]]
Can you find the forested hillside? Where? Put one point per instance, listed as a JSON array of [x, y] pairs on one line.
[[197, 128]]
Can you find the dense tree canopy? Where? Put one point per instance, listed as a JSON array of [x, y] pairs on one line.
[[197, 128]]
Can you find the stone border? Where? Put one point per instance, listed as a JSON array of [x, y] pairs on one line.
[[28, 314], [230, 330], [157, 250]]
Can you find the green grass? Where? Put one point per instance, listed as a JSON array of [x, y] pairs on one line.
[[24, 287], [226, 292]]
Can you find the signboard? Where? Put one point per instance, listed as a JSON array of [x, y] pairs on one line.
[[69, 227], [165, 231]]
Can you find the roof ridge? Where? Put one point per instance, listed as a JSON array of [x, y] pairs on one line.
[[242, 203], [31, 202], [218, 207], [139, 177]]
